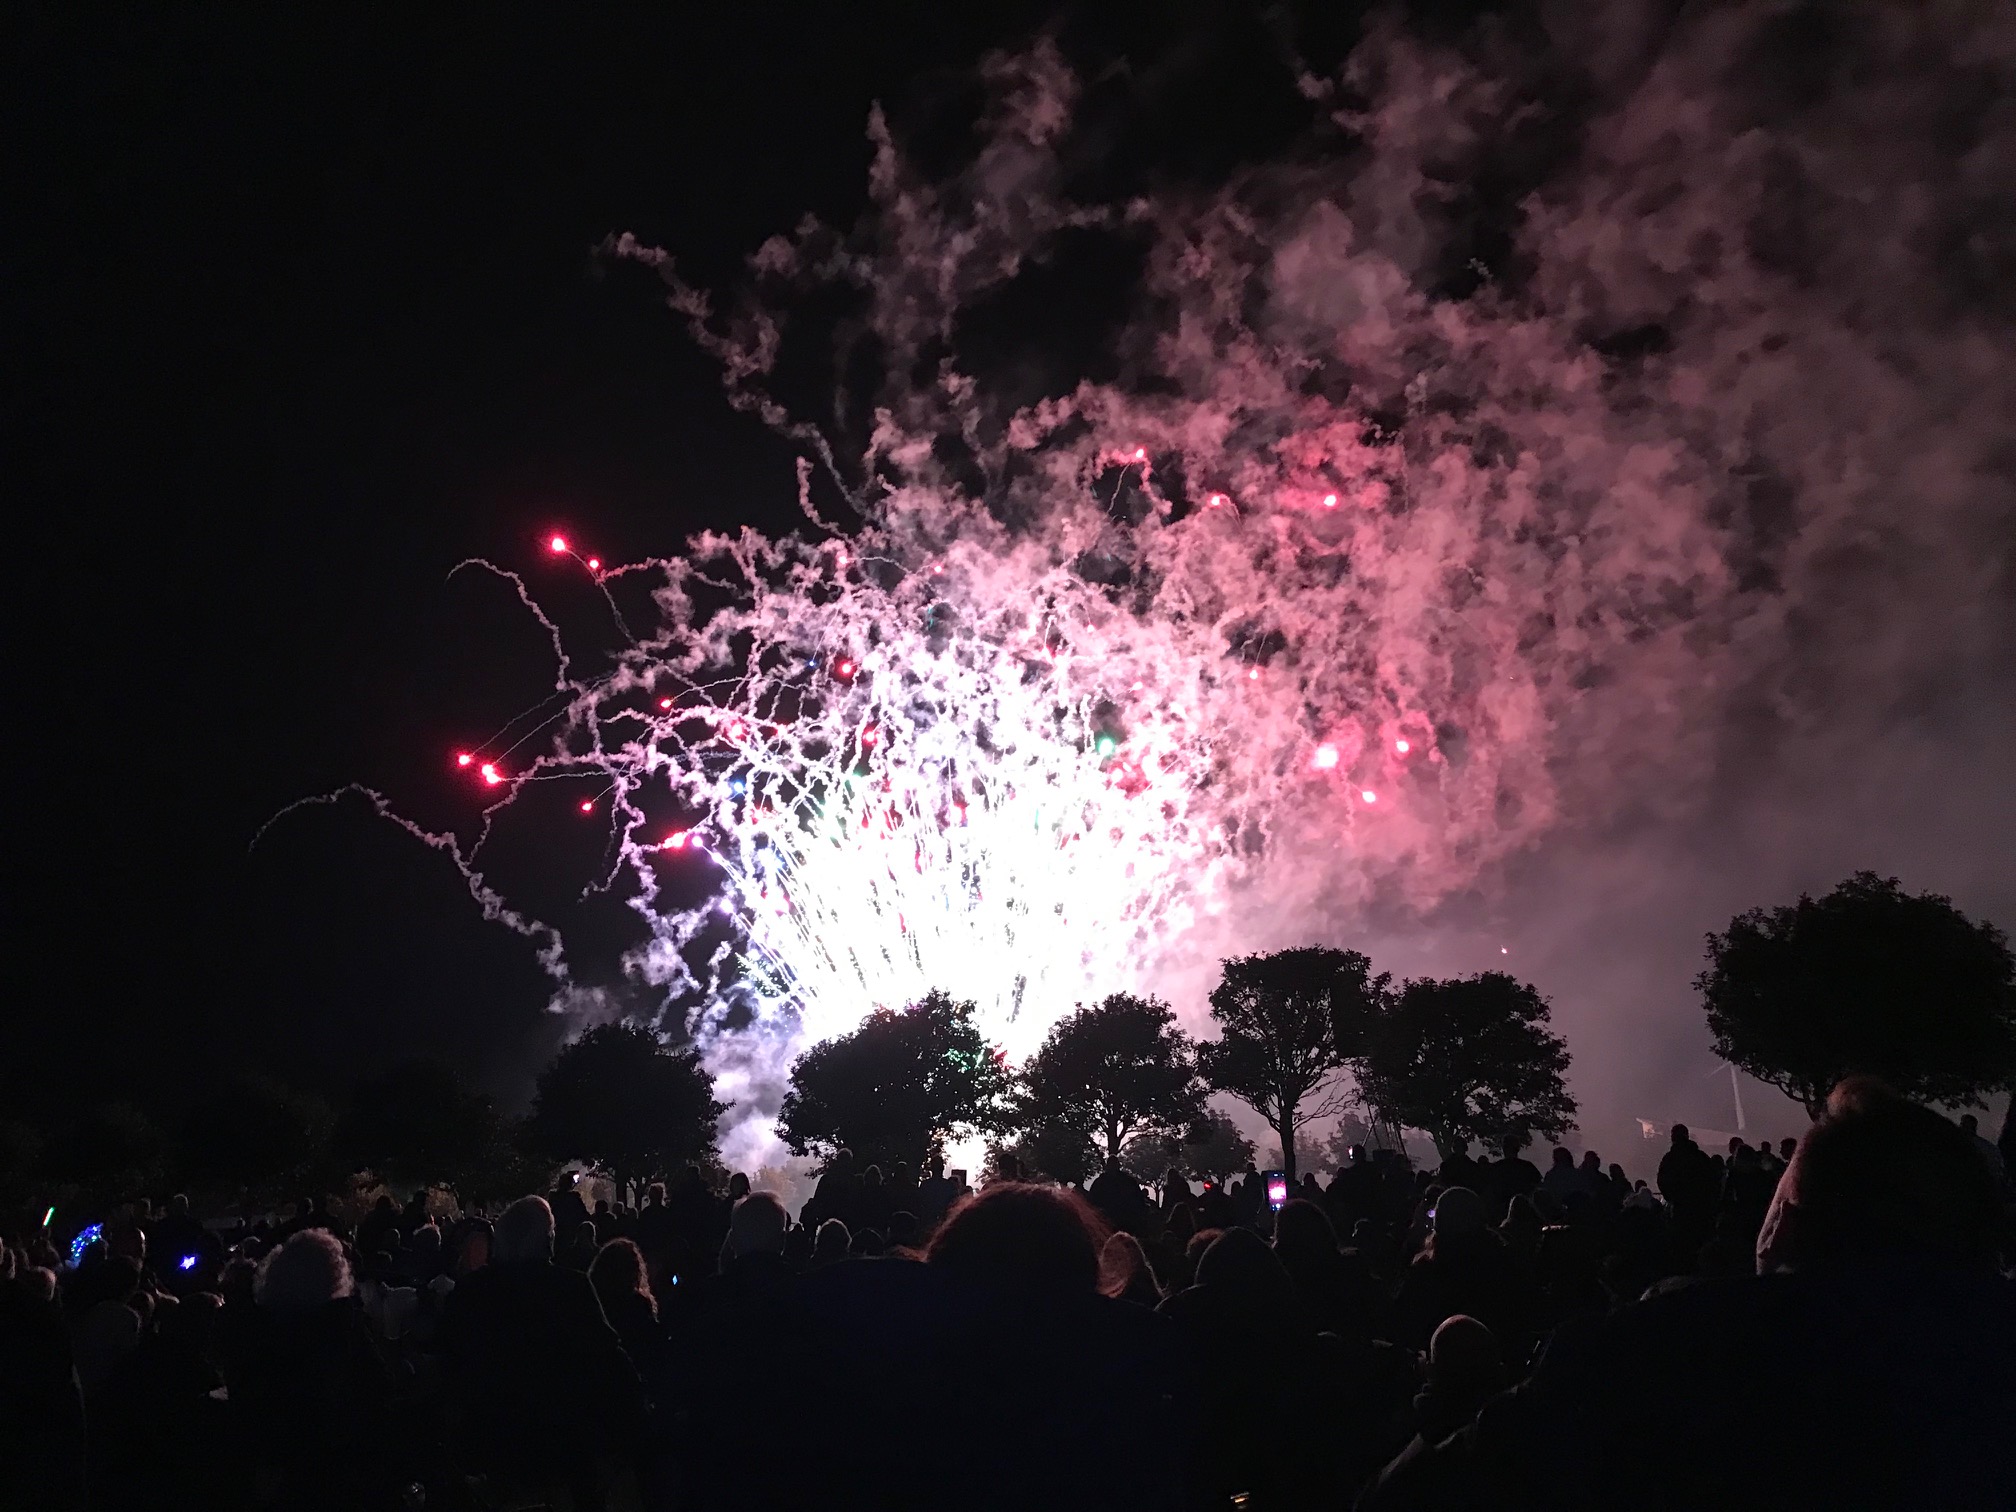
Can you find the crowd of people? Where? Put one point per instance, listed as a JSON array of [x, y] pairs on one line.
[[1831, 1322]]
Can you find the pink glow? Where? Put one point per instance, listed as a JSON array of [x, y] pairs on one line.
[[1368, 795], [557, 545], [464, 759], [1402, 747], [1325, 758]]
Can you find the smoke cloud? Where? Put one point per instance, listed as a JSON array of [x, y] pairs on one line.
[[1564, 498]]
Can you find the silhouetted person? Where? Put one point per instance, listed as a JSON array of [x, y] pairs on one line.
[[1335, 1291], [1118, 1199], [1878, 1370], [934, 1193], [831, 1244], [1354, 1191], [1126, 1273], [1270, 1385], [838, 1192], [1091, 1390], [538, 1380], [1691, 1187], [624, 1289], [1465, 1370], [311, 1399], [1463, 1268], [42, 1441]]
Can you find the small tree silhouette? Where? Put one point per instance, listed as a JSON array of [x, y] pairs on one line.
[[1118, 1069], [1470, 1058], [897, 1087], [1288, 1021], [1868, 979], [619, 1097]]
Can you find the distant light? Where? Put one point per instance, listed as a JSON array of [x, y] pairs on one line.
[[557, 545], [738, 787], [1402, 747], [1326, 757], [188, 1262], [1503, 951], [1368, 795], [1329, 501], [463, 758], [594, 564]]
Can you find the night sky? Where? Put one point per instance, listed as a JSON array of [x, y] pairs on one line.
[[301, 314], [298, 316]]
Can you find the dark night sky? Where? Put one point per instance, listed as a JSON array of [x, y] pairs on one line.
[[299, 315]]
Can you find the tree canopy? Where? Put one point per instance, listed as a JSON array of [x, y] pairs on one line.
[[1213, 1149], [416, 1123], [1288, 1021], [1868, 979], [621, 1098], [254, 1133], [898, 1087], [1118, 1069], [1465, 1059]]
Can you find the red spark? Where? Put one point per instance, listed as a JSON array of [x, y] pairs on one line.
[[587, 805], [557, 545], [1218, 501], [1140, 454], [1402, 747], [664, 703], [1368, 795], [490, 773], [845, 669], [868, 736], [1253, 675], [1326, 757], [1329, 501], [676, 840], [594, 564], [463, 759]]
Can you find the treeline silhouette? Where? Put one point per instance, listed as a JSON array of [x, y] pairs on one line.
[[361, 1307]]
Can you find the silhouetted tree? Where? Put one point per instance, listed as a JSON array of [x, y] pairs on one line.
[[1288, 1021], [507, 1166], [1149, 1157], [897, 1087], [111, 1150], [1213, 1149], [255, 1134], [1469, 1058], [1117, 1069], [1054, 1149], [621, 1098], [416, 1123], [1868, 979]]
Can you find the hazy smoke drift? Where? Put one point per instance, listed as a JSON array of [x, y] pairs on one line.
[[1413, 524]]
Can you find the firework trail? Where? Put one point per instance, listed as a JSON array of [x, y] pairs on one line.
[[1390, 547]]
